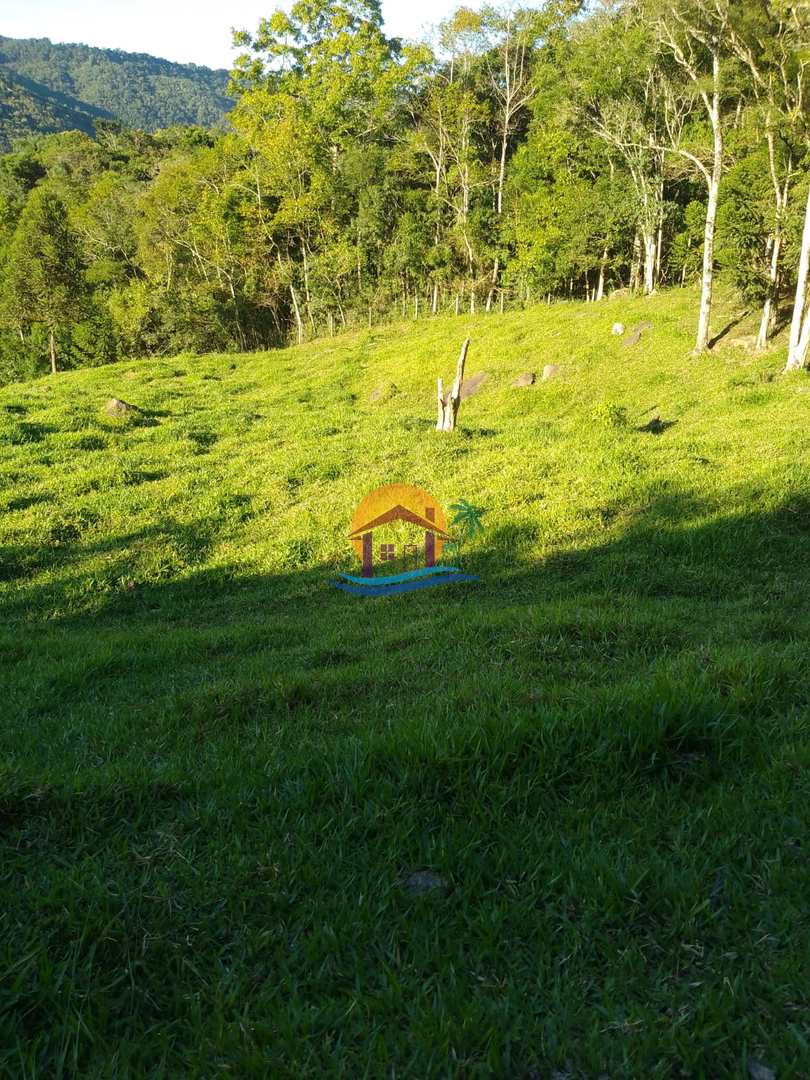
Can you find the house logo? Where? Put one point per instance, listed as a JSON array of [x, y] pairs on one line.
[[404, 529]]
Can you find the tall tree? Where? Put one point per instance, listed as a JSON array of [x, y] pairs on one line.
[[695, 33], [799, 343], [45, 278], [771, 38]]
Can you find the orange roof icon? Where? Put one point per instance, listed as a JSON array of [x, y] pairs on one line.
[[398, 502]]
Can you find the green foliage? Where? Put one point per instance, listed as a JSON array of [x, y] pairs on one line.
[[362, 179], [57, 87], [45, 282], [610, 415]]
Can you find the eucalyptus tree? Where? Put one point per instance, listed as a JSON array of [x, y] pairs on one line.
[[772, 40], [799, 342], [695, 33], [623, 104]]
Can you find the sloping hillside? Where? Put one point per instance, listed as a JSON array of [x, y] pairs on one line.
[[68, 85], [219, 774], [29, 109]]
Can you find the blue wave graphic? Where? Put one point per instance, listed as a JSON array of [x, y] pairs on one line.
[[409, 585], [394, 579]]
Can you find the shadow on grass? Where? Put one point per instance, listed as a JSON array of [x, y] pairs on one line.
[[718, 337], [669, 584], [238, 770]]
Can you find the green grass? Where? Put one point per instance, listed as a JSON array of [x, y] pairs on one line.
[[217, 771]]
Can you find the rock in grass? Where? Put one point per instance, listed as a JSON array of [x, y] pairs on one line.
[[383, 392], [743, 341], [552, 371], [617, 329], [642, 326], [758, 1071], [632, 338], [472, 385], [526, 379], [116, 407], [424, 881]]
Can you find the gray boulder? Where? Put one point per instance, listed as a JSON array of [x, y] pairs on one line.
[[116, 407], [528, 378]]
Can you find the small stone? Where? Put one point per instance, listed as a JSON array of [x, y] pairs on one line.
[[758, 1071], [742, 341], [384, 392], [528, 378], [117, 407], [632, 339], [617, 329], [424, 881], [472, 385], [552, 371]]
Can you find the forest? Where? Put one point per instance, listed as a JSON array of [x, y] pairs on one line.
[[559, 151], [47, 87]]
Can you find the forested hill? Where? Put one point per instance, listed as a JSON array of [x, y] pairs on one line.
[[51, 87], [29, 109]]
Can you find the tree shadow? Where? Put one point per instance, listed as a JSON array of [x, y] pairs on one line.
[[727, 329]]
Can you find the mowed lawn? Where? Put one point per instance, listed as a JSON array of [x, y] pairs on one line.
[[218, 773]]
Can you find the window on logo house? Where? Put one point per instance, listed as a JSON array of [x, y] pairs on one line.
[[387, 552]]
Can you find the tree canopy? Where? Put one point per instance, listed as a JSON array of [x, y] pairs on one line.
[[558, 150]]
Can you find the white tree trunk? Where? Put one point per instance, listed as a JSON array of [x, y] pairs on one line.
[[298, 323], [635, 267], [800, 323], [768, 311], [600, 287], [707, 279], [650, 255]]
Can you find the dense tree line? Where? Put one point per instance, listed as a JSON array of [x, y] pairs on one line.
[[524, 153]]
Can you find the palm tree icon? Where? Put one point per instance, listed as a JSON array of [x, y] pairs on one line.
[[466, 522]]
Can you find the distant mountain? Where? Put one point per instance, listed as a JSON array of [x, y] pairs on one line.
[[47, 87]]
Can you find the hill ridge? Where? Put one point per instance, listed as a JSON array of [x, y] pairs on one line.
[[52, 86]]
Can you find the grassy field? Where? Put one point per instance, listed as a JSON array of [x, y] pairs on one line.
[[218, 773]]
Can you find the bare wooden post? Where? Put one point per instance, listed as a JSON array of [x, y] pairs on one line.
[[434, 309], [458, 302], [448, 406], [500, 301]]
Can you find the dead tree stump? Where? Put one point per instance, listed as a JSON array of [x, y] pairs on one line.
[[448, 405]]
